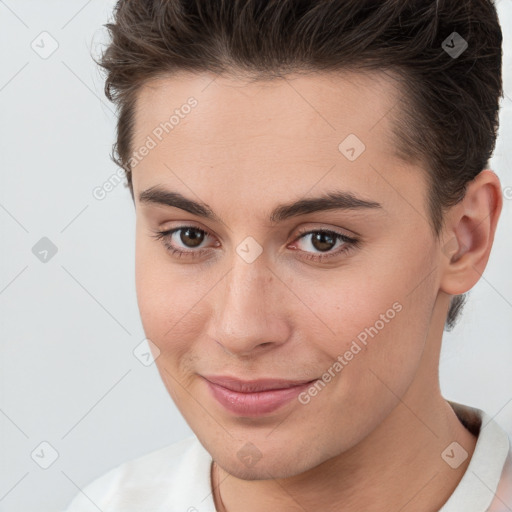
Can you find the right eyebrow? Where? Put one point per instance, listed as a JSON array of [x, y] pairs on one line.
[[160, 196]]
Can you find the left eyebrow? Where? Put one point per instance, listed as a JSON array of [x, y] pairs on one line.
[[336, 200]]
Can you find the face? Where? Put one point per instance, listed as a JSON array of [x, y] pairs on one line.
[[246, 287]]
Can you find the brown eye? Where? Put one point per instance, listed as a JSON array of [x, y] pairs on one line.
[[322, 244], [191, 237], [184, 241], [323, 240]]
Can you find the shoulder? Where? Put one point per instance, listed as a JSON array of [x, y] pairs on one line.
[[503, 497], [487, 483], [149, 481]]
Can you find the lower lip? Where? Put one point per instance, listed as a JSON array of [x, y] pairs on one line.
[[256, 403]]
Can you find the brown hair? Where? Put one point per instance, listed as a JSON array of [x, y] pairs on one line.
[[449, 120]]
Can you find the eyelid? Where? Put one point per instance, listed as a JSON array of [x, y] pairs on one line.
[[164, 231], [348, 242], [323, 227]]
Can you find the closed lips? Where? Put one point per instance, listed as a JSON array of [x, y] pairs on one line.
[[254, 386]]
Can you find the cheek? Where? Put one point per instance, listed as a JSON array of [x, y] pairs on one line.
[[383, 320], [169, 298]]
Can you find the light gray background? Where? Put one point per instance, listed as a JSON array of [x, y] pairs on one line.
[[69, 326]]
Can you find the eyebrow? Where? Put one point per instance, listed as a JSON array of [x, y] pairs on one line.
[[335, 200]]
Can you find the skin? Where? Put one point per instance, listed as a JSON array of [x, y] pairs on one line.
[[372, 438]]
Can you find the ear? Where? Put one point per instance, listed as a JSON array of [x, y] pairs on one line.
[[469, 233]]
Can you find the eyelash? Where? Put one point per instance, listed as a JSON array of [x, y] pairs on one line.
[[349, 243]]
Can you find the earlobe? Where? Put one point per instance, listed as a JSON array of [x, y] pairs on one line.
[[469, 233]]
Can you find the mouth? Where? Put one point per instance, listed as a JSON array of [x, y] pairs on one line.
[[251, 398]]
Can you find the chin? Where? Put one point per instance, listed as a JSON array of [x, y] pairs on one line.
[[263, 472], [270, 466]]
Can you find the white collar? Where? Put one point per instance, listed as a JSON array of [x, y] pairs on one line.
[[476, 491]]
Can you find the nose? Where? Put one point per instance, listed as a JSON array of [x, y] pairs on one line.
[[250, 314]]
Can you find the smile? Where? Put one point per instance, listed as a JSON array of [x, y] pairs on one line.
[[254, 398]]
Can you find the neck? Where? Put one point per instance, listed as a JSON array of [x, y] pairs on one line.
[[398, 467]]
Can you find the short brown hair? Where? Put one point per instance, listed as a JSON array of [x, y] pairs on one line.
[[450, 120]]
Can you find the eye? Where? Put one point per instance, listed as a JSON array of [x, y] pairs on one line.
[[185, 241], [179, 239], [325, 241]]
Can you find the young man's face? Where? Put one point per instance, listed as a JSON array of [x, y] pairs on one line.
[[248, 299]]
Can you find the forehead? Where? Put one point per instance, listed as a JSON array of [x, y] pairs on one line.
[[282, 136], [298, 108]]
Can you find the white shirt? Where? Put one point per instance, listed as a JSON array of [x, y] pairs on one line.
[[176, 478]]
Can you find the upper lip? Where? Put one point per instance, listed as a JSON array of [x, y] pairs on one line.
[[250, 386]]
